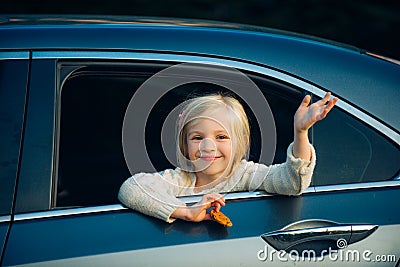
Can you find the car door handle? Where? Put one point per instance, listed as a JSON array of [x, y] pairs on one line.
[[311, 233]]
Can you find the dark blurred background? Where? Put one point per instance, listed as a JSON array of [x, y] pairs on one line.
[[370, 24]]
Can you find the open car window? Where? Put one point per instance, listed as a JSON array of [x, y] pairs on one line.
[[94, 99]]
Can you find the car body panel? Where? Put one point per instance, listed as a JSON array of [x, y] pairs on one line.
[[237, 252], [4, 227], [122, 231], [231, 253]]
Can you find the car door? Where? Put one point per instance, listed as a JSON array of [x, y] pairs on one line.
[[73, 164]]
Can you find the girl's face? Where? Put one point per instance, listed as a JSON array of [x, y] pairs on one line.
[[209, 148]]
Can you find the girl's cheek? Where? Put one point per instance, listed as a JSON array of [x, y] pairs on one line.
[[226, 145], [192, 149]]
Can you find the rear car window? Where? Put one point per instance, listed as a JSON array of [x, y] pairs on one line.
[[349, 151]]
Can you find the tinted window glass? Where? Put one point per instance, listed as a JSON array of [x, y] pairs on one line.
[[93, 104], [13, 79], [91, 162], [348, 151]]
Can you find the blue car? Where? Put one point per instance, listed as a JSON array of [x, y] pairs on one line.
[[68, 83]]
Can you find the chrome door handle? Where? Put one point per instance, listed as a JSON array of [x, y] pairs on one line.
[[311, 231]]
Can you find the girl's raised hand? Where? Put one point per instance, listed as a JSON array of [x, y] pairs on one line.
[[306, 115]]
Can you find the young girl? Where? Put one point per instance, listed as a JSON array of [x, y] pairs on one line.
[[212, 138]]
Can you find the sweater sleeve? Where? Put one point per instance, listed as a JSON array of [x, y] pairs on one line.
[[292, 177], [152, 194]]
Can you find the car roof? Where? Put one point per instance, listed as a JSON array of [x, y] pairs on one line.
[[353, 74]]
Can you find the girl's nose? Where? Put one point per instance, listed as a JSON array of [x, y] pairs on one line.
[[207, 145]]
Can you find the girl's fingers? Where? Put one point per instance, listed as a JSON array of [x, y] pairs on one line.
[[218, 197], [327, 108], [219, 201], [326, 98], [334, 101], [330, 104], [323, 101], [306, 101], [212, 199], [216, 205]]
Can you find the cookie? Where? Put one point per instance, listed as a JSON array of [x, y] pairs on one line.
[[221, 218]]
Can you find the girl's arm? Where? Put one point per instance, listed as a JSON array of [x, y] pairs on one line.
[[305, 117], [155, 195], [294, 176], [150, 194]]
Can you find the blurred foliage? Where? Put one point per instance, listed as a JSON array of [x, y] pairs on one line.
[[369, 24]]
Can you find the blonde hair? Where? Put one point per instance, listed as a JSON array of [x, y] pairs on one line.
[[204, 106]]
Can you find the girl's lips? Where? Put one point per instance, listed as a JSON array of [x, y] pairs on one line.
[[209, 158]]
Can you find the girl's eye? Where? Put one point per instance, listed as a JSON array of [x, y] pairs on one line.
[[222, 137], [197, 137]]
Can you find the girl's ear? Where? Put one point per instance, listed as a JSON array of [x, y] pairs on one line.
[[247, 139]]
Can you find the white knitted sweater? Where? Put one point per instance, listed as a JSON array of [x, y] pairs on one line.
[[155, 194]]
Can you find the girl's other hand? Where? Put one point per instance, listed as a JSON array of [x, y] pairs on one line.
[[198, 212], [306, 115]]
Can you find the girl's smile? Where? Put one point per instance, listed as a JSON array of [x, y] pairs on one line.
[[209, 158]]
